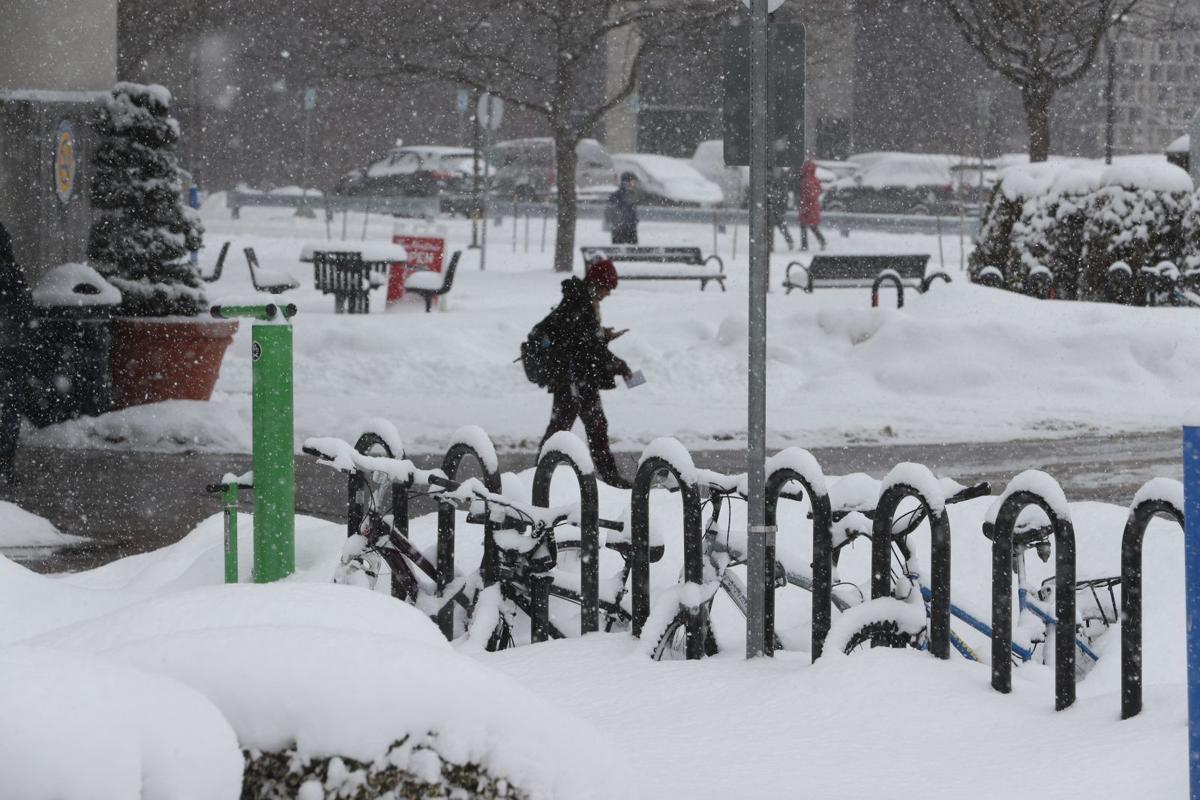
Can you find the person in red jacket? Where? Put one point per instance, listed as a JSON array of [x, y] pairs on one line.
[[809, 203]]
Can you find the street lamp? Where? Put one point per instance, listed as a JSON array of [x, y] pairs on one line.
[[1110, 115]]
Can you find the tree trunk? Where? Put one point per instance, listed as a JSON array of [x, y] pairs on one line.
[[565, 160], [1036, 100]]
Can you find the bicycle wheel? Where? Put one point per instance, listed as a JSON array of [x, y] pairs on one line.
[[672, 644], [885, 633], [884, 621]]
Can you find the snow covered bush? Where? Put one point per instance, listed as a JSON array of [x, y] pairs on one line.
[[142, 232], [1049, 234], [1136, 216], [1191, 233]]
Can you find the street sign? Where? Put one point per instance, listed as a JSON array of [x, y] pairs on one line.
[[772, 5], [785, 95], [490, 112], [310, 99], [463, 101]]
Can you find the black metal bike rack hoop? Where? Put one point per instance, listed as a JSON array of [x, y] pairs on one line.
[[881, 575], [1064, 581], [639, 544], [446, 529], [589, 529], [822, 564], [887, 277], [1131, 597]]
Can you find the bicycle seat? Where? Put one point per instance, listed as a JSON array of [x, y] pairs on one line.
[[1033, 527], [623, 549]]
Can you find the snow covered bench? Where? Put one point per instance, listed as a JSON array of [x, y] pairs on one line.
[[349, 279], [428, 284], [637, 263], [857, 271]]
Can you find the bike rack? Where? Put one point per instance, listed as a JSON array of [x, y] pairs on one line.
[[463, 445], [881, 554], [887, 276], [1016, 498], [927, 281], [1131, 596], [556, 452], [639, 543], [813, 482], [354, 515]]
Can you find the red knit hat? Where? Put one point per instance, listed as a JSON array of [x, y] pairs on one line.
[[603, 274]]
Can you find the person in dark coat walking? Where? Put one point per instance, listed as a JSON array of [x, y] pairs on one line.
[[622, 211], [777, 202], [16, 312], [581, 365], [809, 201]]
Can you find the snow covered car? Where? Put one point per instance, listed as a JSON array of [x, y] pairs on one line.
[[669, 181], [895, 183], [525, 169], [709, 161], [422, 171]]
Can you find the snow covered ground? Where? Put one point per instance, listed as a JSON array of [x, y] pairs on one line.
[[959, 364], [341, 669]]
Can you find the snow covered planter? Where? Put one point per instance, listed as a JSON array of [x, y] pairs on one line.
[[1135, 216], [140, 241]]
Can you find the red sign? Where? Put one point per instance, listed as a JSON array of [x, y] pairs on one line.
[[424, 253]]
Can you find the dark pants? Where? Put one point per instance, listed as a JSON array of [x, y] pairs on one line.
[[804, 229], [624, 234], [781, 224], [572, 401]]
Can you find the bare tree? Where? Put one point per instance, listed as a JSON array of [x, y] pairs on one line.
[[1041, 46], [548, 57]]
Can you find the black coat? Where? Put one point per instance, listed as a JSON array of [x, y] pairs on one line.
[[622, 213], [16, 306], [579, 350]]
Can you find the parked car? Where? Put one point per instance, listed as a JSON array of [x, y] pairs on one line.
[[526, 169], [897, 183], [669, 181], [420, 171], [709, 161]]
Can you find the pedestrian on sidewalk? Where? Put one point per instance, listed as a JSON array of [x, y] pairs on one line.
[[16, 312], [777, 203], [809, 202], [580, 365], [622, 210]]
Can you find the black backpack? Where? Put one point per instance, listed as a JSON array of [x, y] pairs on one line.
[[538, 352]]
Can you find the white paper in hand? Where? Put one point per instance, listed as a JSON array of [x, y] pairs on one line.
[[635, 380]]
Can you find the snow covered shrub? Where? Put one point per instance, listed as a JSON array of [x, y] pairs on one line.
[[1191, 233], [1136, 216], [1049, 233], [142, 232], [1002, 217], [404, 771]]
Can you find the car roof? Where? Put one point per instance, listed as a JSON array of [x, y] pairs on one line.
[[435, 150]]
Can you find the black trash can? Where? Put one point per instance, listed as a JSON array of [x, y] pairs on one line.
[[70, 349]]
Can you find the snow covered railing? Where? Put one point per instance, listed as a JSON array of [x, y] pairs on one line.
[[1159, 497], [1037, 489]]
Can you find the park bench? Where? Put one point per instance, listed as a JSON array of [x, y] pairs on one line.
[[428, 284], [637, 263], [859, 271], [216, 274], [349, 279], [272, 281]]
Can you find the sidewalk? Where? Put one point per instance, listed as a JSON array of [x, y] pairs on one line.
[[131, 502]]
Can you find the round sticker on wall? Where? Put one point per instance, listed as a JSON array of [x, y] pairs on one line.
[[255, 351], [66, 162]]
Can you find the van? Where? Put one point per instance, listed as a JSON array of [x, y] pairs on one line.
[[525, 170]]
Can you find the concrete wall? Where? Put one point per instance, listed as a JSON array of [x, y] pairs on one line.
[[46, 230], [66, 45]]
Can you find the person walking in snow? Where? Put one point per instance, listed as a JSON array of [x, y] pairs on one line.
[[580, 364], [809, 202], [16, 312], [622, 211], [777, 202]]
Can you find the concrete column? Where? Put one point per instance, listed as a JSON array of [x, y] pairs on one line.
[[621, 124]]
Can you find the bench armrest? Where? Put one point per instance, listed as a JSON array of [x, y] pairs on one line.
[[719, 260], [787, 277]]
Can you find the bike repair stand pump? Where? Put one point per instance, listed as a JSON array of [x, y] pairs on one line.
[[274, 475]]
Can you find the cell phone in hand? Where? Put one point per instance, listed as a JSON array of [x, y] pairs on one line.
[[635, 380]]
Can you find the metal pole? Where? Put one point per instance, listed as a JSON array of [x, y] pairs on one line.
[[483, 215], [231, 536], [303, 211], [761, 538], [1110, 113], [476, 133], [1191, 515]]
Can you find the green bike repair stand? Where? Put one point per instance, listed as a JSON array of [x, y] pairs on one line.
[[273, 437]]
